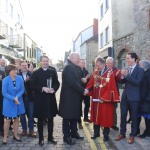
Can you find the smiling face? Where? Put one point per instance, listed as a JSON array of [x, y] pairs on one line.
[[130, 61], [24, 67], [44, 62], [109, 64], [99, 65]]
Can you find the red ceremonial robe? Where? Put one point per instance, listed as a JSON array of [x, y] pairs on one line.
[[104, 88]]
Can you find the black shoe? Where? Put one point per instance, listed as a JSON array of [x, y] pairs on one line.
[[95, 136], [143, 135], [4, 143], [52, 141], [106, 139], [77, 136], [69, 141], [138, 133], [18, 140], [128, 121], [115, 128], [87, 120], [10, 128], [41, 142]]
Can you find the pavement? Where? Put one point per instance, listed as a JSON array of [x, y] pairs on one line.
[[29, 143]]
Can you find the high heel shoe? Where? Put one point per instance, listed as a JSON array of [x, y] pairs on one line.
[[18, 140]]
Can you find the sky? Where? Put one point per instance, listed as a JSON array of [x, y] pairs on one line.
[[53, 24]]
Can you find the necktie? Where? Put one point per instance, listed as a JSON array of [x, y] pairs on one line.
[[130, 71]]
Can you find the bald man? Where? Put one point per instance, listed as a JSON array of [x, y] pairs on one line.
[[70, 99]]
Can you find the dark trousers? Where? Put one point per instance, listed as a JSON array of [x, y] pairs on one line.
[[125, 106], [1, 116], [115, 114], [86, 106], [97, 130], [49, 126], [69, 127], [147, 124], [86, 100]]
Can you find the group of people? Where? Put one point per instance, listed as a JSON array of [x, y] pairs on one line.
[[27, 94]]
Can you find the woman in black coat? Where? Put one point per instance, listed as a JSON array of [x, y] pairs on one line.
[[145, 97]]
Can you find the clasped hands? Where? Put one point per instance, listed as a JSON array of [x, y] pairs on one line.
[[48, 90], [124, 72]]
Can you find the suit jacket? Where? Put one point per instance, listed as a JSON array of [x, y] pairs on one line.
[[10, 108], [45, 105], [27, 84], [71, 92], [132, 84]]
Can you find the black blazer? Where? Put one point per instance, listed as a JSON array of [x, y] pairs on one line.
[[145, 93], [27, 85]]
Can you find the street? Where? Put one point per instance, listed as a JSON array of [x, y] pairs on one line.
[[29, 143]]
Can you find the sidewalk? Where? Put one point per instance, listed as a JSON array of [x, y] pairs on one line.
[[32, 143], [140, 144]]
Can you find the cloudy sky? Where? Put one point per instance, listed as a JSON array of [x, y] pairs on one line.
[[54, 23]]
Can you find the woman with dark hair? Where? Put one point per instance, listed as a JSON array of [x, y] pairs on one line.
[[13, 107], [145, 97]]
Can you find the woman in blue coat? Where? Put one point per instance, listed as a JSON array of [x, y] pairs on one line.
[[13, 106]]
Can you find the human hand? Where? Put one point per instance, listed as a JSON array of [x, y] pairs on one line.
[[27, 78], [86, 92], [17, 101], [124, 72], [51, 90], [84, 80], [45, 89]]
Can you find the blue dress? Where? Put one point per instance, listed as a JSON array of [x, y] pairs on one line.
[[9, 91]]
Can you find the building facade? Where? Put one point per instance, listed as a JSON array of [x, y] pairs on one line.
[[116, 26], [29, 49], [11, 21], [128, 22], [86, 44]]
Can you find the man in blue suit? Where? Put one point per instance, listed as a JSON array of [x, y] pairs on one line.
[[131, 77]]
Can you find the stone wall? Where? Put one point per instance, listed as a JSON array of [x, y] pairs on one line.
[[121, 45], [141, 37]]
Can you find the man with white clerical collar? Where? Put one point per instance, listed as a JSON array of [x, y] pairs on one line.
[[45, 84]]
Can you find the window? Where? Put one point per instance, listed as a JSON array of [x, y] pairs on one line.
[[106, 35], [101, 11], [11, 10], [106, 4], [101, 40]]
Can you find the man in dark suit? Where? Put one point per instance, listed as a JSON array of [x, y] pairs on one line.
[[131, 77], [28, 102], [45, 84], [70, 99]]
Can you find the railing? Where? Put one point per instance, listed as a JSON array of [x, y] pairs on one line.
[[3, 30], [15, 41]]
